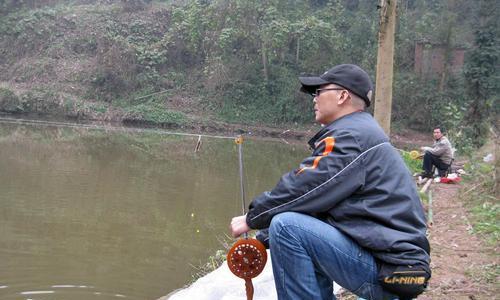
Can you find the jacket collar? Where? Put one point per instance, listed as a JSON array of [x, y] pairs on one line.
[[318, 135], [325, 129]]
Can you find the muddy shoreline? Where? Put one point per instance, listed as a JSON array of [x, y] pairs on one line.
[[289, 134]]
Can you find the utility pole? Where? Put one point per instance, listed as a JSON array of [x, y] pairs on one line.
[[385, 64]]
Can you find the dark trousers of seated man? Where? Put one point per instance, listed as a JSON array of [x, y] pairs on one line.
[[433, 160]]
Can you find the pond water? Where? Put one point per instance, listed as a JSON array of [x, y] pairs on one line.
[[107, 213]]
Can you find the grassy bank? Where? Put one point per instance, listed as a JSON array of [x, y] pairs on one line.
[[171, 62], [110, 61], [84, 62], [481, 193]]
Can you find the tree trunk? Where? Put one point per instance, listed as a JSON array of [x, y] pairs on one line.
[[448, 50], [264, 61], [385, 64], [297, 52]]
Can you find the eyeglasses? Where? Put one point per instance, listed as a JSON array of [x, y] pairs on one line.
[[318, 91]]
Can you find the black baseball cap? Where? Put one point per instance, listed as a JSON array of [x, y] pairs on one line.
[[350, 77]]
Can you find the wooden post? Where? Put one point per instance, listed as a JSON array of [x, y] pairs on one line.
[[426, 186], [385, 64], [430, 220]]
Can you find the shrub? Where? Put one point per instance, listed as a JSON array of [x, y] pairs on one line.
[[154, 113], [9, 102], [40, 100], [414, 165]]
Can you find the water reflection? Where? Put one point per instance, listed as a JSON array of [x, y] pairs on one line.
[[94, 213]]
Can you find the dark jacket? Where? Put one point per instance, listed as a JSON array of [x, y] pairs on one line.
[[356, 181]]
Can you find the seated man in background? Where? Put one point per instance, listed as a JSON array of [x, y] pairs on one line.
[[439, 155]]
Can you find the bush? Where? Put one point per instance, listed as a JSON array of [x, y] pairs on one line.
[[133, 5], [9, 102], [276, 102], [154, 113], [40, 101], [415, 165]]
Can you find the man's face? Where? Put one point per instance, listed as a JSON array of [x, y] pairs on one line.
[[437, 134], [326, 103]]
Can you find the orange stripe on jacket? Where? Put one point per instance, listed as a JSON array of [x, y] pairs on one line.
[[329, 143]]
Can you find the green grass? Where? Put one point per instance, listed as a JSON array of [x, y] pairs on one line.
[[156, 113], [213, 263], [484, 273], [486, 216], [481, 197], [424, 197], [415, 165]]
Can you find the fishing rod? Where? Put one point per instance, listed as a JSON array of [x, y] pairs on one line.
[[247, 257]]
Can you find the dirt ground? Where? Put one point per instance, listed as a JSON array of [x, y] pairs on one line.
[[460, 261]]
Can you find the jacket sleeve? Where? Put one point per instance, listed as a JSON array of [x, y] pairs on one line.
[[439, 148], [332, 173]]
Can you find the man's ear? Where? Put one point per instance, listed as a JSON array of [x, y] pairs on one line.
[[344, 96]]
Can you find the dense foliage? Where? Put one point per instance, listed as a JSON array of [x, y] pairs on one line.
[[239, 59]]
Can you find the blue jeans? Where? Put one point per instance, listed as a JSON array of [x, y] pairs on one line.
[[308, 255]]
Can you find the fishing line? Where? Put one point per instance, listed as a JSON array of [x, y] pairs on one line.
[[106, 127], [239, 142], [247, 257]]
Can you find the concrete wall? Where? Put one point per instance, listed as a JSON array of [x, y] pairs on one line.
[[430, 59]]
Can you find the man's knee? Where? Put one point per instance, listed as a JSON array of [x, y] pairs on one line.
[[282, 220], [428, 156]]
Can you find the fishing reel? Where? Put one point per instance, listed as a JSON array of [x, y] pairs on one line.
[[246, 259]]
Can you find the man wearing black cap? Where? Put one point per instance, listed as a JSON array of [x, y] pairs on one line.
[[350, 213]]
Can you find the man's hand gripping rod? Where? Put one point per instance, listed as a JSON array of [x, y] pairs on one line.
[[247, 258]]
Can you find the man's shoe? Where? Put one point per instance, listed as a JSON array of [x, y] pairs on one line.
[[425, 175]]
